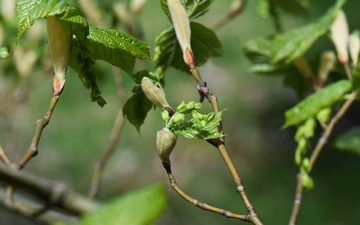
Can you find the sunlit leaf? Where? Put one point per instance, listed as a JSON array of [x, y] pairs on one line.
[[349, 141], [28, 11], [200, 126], [139, 207], [116, 48], [194, 8], [204, 42], [321, 99], [136, 108]]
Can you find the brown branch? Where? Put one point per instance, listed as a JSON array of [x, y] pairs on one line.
[[199, 204], [40, 125], [51, 192]]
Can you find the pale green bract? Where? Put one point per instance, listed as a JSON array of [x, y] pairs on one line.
[[317, 101]]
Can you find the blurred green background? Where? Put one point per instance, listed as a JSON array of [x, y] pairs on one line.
[[263, 153]]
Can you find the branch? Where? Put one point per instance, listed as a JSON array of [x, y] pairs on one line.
[[53, 193], [315, 154], [199, 204]]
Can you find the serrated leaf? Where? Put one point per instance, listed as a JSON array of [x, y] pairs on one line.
[[137, 207], [136, 108], [116, 48], [27, 11], [258, 51], [204, 42], [349, 141], [203, 127], [194, 8], [295, 43], [317, 101]]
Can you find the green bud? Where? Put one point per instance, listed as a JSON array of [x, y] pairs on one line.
[[302, 144], [165, 143], [298, 157], [324, 115], [306, 180], [309, 127], [153, 93], [178, 118], [198, 105], [190, 105], [299, 133], [181, 108], [59, 38], [306, 163], [165, 116]]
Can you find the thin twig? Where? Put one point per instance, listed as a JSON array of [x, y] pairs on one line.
[[297, 201], [237, 6], [315, 154], [4, 157], [114, 138], [40, 125], [199, 204]]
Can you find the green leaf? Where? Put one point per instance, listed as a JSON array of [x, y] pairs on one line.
[[349, 141], [139, 207], [194, 8], [204, 42], [258, 51], [136, 108], [200, 126], [4, 53], [293, 44], [116, 48], [317, 101], [82, 63], [27, 11], [144, 73], [296, 7]]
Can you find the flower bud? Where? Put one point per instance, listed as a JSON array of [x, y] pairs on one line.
[[327, 63], [59, 38], [181, 25], [153, 93], [340, 36], [165, 143], [306, 163], [354, 47], [324, 115], [309, 127], [178, 118], [165, 115]]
